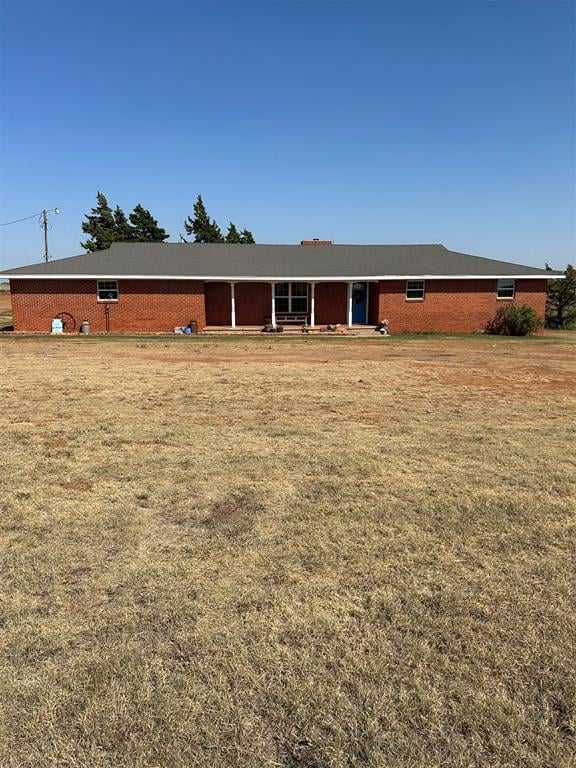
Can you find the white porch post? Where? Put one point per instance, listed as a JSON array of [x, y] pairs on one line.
[[349, 305], [366, 316], [273, 316], [233, 304], [312, 305]]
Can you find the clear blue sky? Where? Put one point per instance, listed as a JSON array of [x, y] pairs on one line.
[[366, 122]]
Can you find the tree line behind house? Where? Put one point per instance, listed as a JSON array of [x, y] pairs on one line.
[[105, 226]]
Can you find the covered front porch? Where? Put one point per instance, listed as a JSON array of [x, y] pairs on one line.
[[251, 305]]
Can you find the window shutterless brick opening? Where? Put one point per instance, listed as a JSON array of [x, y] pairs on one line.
[[291, 297], [506, 289], [107, 290], [414, 290]]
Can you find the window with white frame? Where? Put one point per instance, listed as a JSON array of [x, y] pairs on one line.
[[291, 297], [107, 290], [506, 289], [415, 289]]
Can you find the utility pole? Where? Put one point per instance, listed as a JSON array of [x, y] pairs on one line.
[[44, 225]]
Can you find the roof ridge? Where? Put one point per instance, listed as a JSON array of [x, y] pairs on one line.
[[281, 245]]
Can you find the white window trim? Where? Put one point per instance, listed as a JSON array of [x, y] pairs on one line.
[[107, 301], [291, 311], [506, 280], [421, 298]]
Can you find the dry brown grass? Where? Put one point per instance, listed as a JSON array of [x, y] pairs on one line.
[[287, 554]]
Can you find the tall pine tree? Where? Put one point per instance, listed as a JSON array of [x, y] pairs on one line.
[[561, 303], [124, 232], [145, 228], [99, 225], [204, 229], [246, 236], [106, 226], [233, 236]]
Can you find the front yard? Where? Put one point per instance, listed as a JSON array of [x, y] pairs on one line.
[[287, 552]]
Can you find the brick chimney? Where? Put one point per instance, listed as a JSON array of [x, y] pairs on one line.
[[315, 241]]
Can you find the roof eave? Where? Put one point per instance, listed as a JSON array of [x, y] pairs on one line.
[[280, 278]]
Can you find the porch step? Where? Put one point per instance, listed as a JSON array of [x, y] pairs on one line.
[[244, 330]]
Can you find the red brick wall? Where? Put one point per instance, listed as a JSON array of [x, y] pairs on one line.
[[144, 305], [154, 306], [331, 303], [253, 303], [452, 305], [218, 304]]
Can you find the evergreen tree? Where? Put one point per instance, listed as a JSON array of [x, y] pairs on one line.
[[246, 236], [561, 302], [123, 230], [100, 225], [233, 236], [204, 229], [145, 228]]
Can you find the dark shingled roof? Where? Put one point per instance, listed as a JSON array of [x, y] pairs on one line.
[[274, 262]]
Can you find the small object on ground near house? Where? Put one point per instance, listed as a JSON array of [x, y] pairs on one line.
[[193, 325], [57, 325], [338, 328], [85, 327], [68, 322], [187, 330], [305, 328], [178, 330], [382, 327]]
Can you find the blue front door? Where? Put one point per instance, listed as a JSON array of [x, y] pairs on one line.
[[359, 302]]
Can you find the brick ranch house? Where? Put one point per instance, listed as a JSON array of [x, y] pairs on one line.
[[153, 287]]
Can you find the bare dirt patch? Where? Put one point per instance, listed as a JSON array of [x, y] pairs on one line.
[[77, 485]]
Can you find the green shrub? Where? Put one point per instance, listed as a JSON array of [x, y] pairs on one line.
[[514, 320]]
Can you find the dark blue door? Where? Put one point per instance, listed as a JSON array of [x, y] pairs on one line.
[[359, 302]]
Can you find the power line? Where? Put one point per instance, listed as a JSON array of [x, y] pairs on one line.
[[26, 218], [43, 221], [17, 220], [66, 231]]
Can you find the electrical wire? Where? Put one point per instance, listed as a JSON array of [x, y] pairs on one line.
[[66, 231], [17, 220]]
